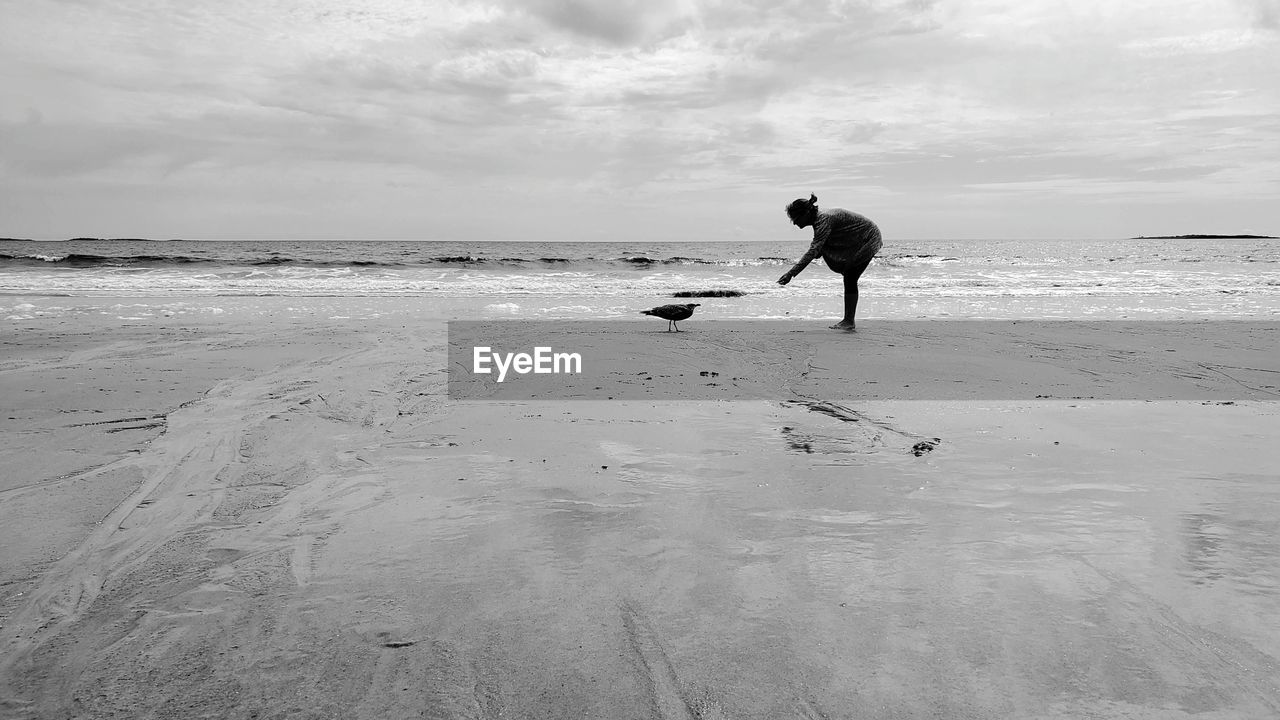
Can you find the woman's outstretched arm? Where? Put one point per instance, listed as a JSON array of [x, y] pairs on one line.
[[821, 231]]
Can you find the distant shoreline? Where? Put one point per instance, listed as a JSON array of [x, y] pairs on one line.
[[91, 239], [1205, 237]]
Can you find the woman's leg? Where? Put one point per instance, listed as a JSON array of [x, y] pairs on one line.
[[851, 276]]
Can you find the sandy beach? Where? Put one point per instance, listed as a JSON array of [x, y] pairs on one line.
[[256, 515]]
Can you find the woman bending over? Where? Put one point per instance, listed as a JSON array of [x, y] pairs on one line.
[[845, 240]]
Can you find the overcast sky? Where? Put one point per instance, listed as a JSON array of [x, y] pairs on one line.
[[637, 119]]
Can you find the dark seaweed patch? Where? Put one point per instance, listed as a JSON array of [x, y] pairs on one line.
[[707, 293]]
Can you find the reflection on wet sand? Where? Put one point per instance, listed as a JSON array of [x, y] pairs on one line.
[[1022, 568], [1232, 538], [521, 560]]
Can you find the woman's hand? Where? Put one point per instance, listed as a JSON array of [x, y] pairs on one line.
[[786, 278]]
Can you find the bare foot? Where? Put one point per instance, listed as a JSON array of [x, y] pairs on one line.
[[846, 325]]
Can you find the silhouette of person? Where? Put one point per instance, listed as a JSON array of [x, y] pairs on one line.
[[845, 240]]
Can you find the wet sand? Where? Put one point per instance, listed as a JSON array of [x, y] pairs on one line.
[[244, 517]]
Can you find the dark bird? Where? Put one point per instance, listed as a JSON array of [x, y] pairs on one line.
[[672, 313]]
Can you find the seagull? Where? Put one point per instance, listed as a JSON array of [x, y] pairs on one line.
[[672, 313]]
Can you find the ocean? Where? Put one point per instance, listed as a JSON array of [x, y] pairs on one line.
[[980, 279]]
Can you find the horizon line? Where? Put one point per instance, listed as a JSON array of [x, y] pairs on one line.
[[1205, 236]]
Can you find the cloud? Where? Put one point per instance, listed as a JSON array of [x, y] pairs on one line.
[[643, 104], [615, 22], [1262, 13], [1206, 43], [51, 150]]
